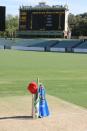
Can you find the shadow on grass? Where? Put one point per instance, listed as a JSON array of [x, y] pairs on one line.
[[17, 117]]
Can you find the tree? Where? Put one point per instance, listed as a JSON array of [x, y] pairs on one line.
[[78, 24], [11, 25]]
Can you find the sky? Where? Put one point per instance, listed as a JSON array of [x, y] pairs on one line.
[[75, 6]]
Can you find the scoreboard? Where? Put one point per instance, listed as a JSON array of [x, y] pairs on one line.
[[48, 20], [2, 18], [45, 20]]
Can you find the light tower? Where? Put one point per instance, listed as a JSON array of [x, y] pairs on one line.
[[66, 21]]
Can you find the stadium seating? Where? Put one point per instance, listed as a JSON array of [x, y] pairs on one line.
[[83, 45], [44, 43], [66, 43], [41, 44]]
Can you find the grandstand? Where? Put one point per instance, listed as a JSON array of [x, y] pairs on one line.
[[54, 45], [65, 45], [82, 47], [36, 44]]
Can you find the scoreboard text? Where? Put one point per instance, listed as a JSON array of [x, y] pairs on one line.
[[42, 20]]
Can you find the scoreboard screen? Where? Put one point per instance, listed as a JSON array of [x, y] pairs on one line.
[[2, 18], [48, 20], [44, 20]]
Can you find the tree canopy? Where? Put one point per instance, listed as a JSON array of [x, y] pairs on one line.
[[78, 24], [11, 24]]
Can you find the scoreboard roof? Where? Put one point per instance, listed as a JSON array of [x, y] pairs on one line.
[[43, 6]]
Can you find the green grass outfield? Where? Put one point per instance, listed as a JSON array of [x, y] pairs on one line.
[[63, 74]]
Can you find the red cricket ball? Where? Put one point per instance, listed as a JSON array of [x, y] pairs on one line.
[[32, 87]]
